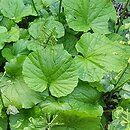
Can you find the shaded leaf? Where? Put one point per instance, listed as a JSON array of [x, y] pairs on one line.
[[69, 41], [19, 48], [121, 120], [13, 68]]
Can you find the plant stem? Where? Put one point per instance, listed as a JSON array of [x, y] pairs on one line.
[[35, 7], [60, 9], [116, 85], [2, 100], [122, 16], [8, 125], [49, 39]]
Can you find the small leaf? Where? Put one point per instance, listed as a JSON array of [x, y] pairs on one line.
[[8, 36], [69, 41], [12, 110], [13, 68], [125, 91], [13, 34], [19, 48], [44, 29]]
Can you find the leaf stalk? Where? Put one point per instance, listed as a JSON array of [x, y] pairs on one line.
[[122, 16]]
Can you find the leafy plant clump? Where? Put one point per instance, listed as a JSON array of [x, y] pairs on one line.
[[64, 65]]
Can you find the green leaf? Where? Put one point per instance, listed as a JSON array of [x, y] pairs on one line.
[[49, 2], [125, 91], [7, 54], [54, 8], [115, 37], [79, 110], [13, 68], [83, 101], [8, 23], [19, 48], [17, 93], [121, 119], [83, 15], [15, 9], [3, 122], [70, 121], [13, 34], [96, 61], [125, 103], [34, 45], [69, 41], [3, 36], [126, 76], [67, 113], [46, 29], [52, 67], [8, 36], [23, 34], [106, 84], [37, 6], [30, 119]]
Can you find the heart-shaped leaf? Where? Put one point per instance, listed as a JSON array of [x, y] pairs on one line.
[[99, 57], [51, 67], [83, 15]]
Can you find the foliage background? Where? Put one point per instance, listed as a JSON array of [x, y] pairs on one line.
[[64, 65]]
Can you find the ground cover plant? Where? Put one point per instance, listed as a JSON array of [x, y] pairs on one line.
[[64, 65]]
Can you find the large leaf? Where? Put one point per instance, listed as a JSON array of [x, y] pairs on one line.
[[83, 15], [71, 121], [83, 100], [99, 57], [17, 93], [15, 9], [8, 36], [79, 110], [51, 67]]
